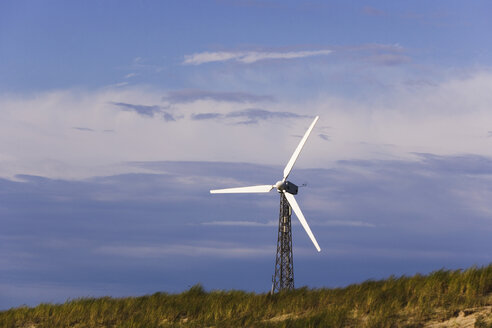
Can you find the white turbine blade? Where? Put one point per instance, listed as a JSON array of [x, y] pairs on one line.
[[252, 189], [296, 153], [293, 203]]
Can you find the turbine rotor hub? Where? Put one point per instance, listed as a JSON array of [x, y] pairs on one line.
[[286, 186]]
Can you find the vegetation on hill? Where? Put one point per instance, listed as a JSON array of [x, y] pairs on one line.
[[417, 301]]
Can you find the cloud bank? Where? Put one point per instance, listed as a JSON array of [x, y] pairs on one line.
[[447, 118]]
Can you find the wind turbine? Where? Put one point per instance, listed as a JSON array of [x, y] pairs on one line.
[[284, 268]]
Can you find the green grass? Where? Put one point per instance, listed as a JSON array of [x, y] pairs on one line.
[[394, 302]]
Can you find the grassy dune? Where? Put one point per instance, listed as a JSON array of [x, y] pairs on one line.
[[461, 298]]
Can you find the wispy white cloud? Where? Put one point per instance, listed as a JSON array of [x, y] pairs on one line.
[[347, 223], [140, 66], [117, 85], [371, 11], [241, 223], [247, 116], [145, 110], [389, 59], [331, 223], [248, 57], [190, 95], [80, 128], [159, 251]]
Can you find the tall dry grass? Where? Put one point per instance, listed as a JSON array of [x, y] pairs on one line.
[[393, 302]]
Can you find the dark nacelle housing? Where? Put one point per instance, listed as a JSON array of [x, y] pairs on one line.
[[290, 188]]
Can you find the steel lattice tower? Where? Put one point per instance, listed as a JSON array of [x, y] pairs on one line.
[[283, 278]]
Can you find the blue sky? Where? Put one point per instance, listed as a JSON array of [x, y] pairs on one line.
[[119, 116]]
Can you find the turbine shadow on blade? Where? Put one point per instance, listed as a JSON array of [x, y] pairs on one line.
[[284, 276]]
